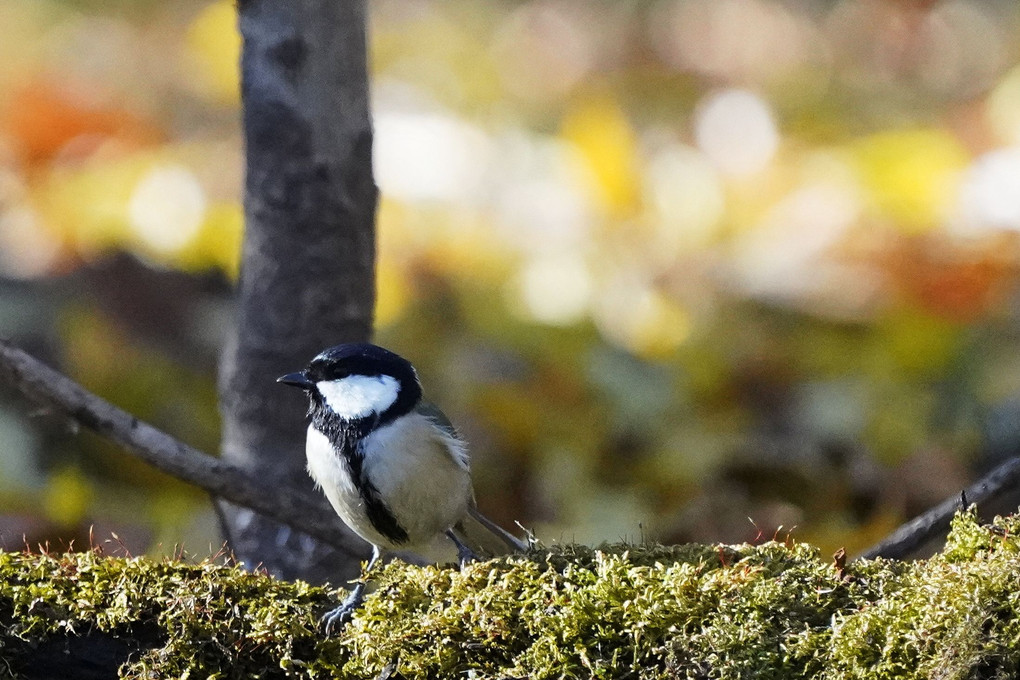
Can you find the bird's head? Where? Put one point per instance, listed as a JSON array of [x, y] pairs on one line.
[[358, 381]]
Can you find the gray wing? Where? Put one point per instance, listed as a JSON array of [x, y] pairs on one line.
[[430, 410], [466, 529], [456, 445], [486, 538]]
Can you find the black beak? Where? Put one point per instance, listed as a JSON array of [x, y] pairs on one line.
[[297, 380]]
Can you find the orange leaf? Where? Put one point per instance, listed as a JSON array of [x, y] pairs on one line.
[[43, 120]]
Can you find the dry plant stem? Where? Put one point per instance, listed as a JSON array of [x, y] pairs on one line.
[[60, 395], [935, 522]]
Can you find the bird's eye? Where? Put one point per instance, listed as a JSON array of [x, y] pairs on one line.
[[328, 373]]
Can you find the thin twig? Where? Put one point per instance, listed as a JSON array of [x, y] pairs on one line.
[[935, 522], [60, 394]]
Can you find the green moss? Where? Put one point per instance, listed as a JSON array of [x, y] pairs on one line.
[[767, 611], [202, 618]]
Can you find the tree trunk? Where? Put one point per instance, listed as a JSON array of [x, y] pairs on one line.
[[307, 273]]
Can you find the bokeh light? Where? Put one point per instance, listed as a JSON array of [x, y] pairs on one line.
[[667, 265], [736, 131]]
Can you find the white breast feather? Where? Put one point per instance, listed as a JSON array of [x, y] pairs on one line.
[[421, 472], [329, 472], [357, 396]]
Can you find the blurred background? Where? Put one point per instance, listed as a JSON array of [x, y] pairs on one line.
[[679, 270]]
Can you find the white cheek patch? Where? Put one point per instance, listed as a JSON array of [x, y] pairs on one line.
[[359, 396]]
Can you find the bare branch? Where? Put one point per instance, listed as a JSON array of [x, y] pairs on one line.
[[935, 522], [58, 393]]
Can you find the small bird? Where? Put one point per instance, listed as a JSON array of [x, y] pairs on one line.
[[391, 464]]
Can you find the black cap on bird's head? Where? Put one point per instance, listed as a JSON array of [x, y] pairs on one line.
[[341, 362]]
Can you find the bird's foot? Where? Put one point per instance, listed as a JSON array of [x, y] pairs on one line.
[[336, 619], [465, 554]]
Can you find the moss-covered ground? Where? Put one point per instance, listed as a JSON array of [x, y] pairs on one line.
[[774, 610]]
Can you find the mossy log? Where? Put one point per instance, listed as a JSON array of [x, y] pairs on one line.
[[775, 610]]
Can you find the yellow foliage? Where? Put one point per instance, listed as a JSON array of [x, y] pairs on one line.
[[392, 294], [644, 321], [918, 343], [217, 245], [88, 208], [67, 496], [87, 205], [215, 43], [912, 175], [662, 329], [599, 130], [470, 256], [101, 354]]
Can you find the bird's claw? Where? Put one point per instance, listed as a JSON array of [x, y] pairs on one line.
[[336, 619], [465, 556]]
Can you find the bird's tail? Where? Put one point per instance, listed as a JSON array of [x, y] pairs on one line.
[[485, 537]]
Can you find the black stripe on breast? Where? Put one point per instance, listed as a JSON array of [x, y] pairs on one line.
[[346, 437], [379, 513]]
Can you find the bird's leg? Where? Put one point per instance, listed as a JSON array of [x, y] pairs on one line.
[[464, 553], [337, 618]]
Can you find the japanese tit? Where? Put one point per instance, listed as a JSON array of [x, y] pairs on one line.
[[391, 465]]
